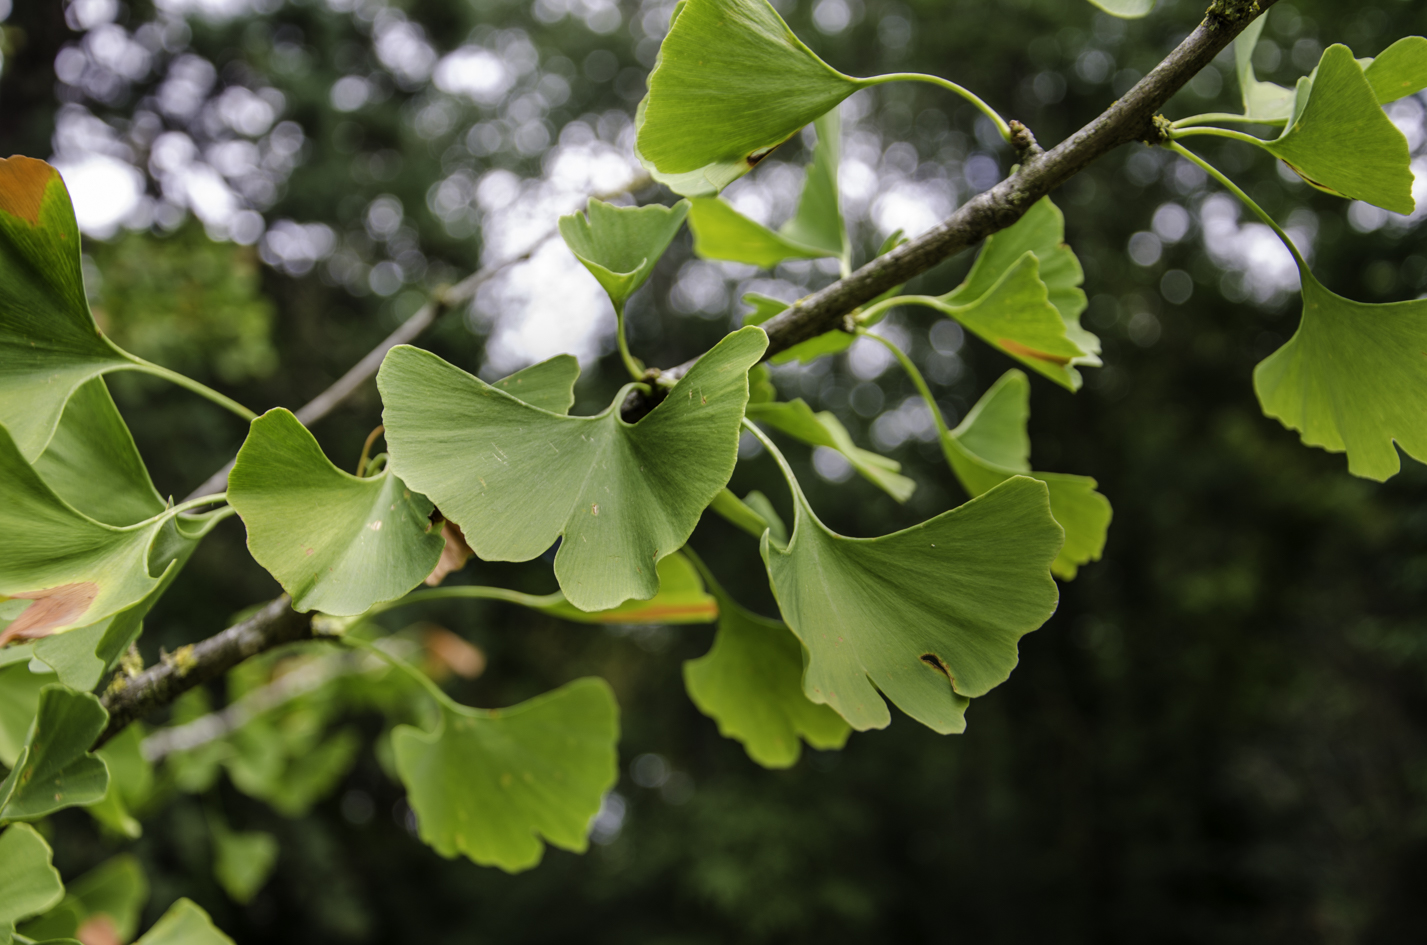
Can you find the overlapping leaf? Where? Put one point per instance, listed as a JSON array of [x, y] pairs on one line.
[[29, 884], [1126, 9], [798, 420], [515, 477], [929, 616], [102, 905], [49, 344], [1340, 141], [750, 683], [1265, 102], [681, 599], [990, 446], [492, 784], [1351, 379], [336, 543], [55, 769], [753, 513], [732, 82], [184, 924], [815, 231], [77, 571], [620, 245], [1399, 70]]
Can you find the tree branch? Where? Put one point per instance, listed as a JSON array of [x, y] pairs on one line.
[[134, 697], [1129, 119]]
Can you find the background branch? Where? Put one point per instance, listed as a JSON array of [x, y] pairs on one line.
[[1131, 118]]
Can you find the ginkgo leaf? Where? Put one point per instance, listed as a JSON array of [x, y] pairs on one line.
[[492, 784], [1041, 230], [29, 883], [1265, 102], [336, 543], [1126, 9], [1343, 143], [549, 385], [816, 231], [1015, 314], [184, 924], [798, 420], [55, 768], [721, 232], [76, 571], [930, 616], [92, 463], [681, 599], [242, 861], [102, 905], [750, 683], [1351, 379], [731, 83], [991, 445], [49, 343], [1399, 71], [620, 245], [515, 477]]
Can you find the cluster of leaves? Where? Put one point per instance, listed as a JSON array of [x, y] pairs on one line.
[[928, 617]]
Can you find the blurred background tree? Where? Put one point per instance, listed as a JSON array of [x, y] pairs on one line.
[[1221, 735]]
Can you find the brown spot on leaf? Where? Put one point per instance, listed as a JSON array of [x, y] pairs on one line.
[[53, 607], [1026, 351], [454, 554], [99, 929], [934, 661], [22, 186]]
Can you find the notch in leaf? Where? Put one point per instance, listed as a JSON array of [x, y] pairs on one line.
[[515, 477], [929, 616], [990, 446], [492, 784], [750, 683], [336, 543]]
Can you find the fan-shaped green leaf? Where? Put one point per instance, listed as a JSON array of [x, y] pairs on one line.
[[29, 884], [732, 83], [991, 445], [55, 768], [515, 478], [184, 924], [49, 344], [242, 862], [1351, 379], [797, 419], [1126, 9], [620, 245], [930, 615], [1400, 70], [492, 784], [76, 571], [750, 683], [336, 543], [1041, 230], [1343, 143], [1016, 315]]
